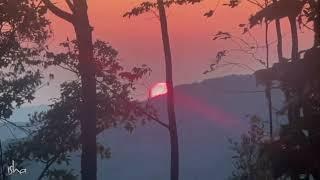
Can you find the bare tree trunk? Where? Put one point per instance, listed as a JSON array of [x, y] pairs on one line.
[[268, 86], [294, 36], [88, 110], [317, 24], [279, 37], [292, 109], [269, 98], [80, 21], [174, 172], [281, 60]]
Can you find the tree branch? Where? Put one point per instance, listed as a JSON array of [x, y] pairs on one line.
[[156, 119], [48, 164], [58, 12], [256, 3], [27, 132], [70, 5], [143, 111]]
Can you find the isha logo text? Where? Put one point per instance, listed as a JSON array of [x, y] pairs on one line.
[[13, 170]]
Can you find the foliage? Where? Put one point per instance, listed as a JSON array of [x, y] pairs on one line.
[[248, 161], [160, 6], [245, 44], [148, 6], [232, 3], [278, 10], [57, 131], [23, 31], [295, 153], [23, 20]]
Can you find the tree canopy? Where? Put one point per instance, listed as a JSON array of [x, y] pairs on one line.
[[24, 30], [57, 130]]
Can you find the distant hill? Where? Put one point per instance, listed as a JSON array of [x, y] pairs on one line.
[[208, 113]]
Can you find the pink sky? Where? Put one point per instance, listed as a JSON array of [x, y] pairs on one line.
[[138, 39]]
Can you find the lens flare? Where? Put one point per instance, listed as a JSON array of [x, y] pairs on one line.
[[158, 90]]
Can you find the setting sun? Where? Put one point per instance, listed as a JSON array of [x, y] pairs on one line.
[[158, 90]]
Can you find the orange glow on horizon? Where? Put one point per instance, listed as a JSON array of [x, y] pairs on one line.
[[138, 39]]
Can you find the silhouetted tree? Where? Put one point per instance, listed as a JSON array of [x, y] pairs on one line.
[[21, 21], [280, 9], [315, 5], [311, 14], [270, 11], [23, 33], [262, 5], [295, 153], [160, 5], [249, 162], [279, 37], [265, 4], [83, 30], [56, 130]]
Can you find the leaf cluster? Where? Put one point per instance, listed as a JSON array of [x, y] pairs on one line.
[[56, 132], [149, 6], [23, 32], [248, 161]]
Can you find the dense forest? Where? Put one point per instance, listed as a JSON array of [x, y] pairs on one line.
[[102, 94]]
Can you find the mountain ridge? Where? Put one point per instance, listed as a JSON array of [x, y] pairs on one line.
[[208, 113]]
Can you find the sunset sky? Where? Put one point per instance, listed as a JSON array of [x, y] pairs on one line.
[[138, 39]]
